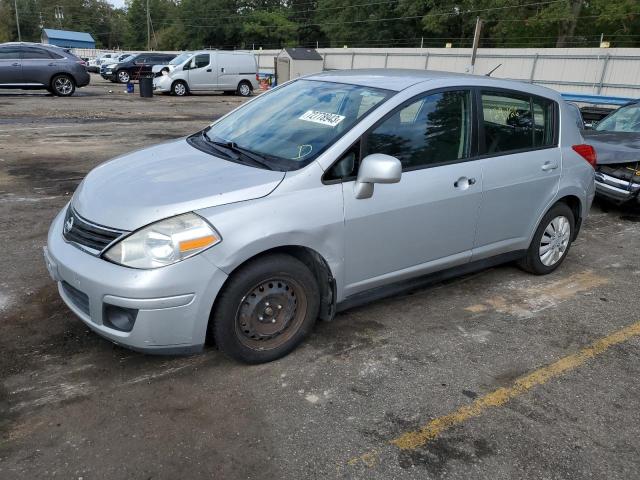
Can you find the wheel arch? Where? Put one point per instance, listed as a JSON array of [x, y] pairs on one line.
[[575, 204], [314, 261], [180, 80]]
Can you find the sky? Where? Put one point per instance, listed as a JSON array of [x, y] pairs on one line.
[[116, 3]]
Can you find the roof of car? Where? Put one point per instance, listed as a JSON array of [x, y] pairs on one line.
[[33, 44], [398, 79]]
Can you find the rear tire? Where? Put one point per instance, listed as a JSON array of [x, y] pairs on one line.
[[244, 89], [266, 309], [63, 85], [551, 242]]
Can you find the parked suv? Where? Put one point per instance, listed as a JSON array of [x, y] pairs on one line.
[[318, 195], [31, 66], [135, 67], [210, 70]]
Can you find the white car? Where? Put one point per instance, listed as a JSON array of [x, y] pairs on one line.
[[210, 70]]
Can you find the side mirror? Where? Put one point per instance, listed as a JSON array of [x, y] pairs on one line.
[[376, 168]]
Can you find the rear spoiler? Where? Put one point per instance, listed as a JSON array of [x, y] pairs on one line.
[[597, 99]]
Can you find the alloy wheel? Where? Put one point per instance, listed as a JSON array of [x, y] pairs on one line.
[[63, 85], [554, 241], [123, 77], [179, 89]]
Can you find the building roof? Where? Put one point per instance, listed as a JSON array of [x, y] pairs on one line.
[[303, 53], [68, 35]]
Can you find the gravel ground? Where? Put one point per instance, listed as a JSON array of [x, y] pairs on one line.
[[72, 405]]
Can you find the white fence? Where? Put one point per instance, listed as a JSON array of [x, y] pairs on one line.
[[614, 71]]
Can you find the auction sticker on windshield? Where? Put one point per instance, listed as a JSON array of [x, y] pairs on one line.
[[324, 118]]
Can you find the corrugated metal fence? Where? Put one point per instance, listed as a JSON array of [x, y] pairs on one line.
[[614, 71]]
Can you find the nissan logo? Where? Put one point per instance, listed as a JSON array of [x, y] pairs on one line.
[[68, 225]]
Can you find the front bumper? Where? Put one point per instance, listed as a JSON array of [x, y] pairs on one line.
[[173, 303], [617, 190], [162, 84]]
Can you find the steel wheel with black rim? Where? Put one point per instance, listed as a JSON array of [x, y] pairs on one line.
[[123, 76], [63, 85], [266, 309], [244, 89], [179, 88], [551, 242]]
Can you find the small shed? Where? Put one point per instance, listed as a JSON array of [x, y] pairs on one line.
[[67, 38], [297, 61]]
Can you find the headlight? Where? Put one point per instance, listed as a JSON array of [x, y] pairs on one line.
[[164, 242]]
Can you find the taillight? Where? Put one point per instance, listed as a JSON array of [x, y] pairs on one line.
[[82, 62], [587, 152], [257, 77]]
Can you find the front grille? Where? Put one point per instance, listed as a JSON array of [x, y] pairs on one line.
[[86, 234], [78, 298]]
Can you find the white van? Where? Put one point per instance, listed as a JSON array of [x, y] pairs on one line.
[[207, 70]]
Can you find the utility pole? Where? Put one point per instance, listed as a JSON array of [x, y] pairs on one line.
[[58, 13], [148, 28], [15, 4], [476, 42]]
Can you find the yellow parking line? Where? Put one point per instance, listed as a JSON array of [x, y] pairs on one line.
[[414, 439]]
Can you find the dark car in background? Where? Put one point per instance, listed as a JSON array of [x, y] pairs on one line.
[[617, 142], [137, 66], [30, 66]]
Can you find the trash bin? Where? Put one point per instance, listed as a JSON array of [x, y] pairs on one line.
[[146, 87]]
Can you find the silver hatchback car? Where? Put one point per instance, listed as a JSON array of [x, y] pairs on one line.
[[323, 193]]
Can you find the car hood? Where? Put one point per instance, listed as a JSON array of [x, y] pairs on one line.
[[166, 180], [614, 147]]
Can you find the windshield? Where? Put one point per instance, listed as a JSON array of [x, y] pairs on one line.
[[625, 119], [180, 58], [294, 124]]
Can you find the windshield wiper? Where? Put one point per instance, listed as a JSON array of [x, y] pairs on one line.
[[239, 151]]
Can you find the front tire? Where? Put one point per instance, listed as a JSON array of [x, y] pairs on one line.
[[63, 85], [123, 76], [551, 242], [266, 309], [179, 88]]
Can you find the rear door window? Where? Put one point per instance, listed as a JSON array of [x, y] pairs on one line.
[[514, 122], [31, 53], [508, 122]]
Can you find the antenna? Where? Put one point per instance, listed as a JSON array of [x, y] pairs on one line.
[[494, 69]]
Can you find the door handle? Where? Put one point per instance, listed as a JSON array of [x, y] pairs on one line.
[[208, 69], [52, 64], [463, 183], [15, 64], [548, 166], [222, 69]]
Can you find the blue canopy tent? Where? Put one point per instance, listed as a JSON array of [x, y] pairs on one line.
[[67, 38]]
